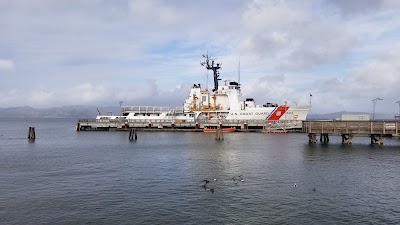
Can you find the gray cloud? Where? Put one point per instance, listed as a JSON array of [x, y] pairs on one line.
[[354, 7], [298, 39], [6, 66], [101, 52]]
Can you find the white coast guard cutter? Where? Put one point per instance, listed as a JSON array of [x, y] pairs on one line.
[[224, 102]]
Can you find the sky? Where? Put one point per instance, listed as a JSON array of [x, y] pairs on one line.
[[148, 52]]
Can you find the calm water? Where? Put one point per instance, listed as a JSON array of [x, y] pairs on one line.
[[69, 177]]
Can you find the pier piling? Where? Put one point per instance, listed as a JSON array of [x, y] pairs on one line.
[[31, 133], [377, 139], [347, 138], [132, 134], [219, 135], [312, 138], [324, 138]]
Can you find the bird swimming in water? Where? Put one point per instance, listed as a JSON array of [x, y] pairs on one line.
[[215, 179], [295, 185], [212, 190], [314, 190], [207, 181], [242, 180]]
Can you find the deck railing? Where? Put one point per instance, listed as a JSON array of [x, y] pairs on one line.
[[351, 127]]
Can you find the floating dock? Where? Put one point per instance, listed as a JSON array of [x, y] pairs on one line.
[[376, 130]]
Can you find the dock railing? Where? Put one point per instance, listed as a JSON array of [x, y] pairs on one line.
[[351, 127]]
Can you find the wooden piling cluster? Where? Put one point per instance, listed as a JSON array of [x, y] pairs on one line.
[[347, 138], [132, 134], [324, 138], [31, 133], [219, 135]]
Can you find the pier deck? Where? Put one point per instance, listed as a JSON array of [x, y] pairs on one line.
[[376, 130], [118, 124]]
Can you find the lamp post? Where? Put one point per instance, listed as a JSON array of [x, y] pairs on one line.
[[120, 105], [373, 106], [399, 106]]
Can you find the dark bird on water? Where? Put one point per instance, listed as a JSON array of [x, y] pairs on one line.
[[314, 189], [207, 181], [212, 190]]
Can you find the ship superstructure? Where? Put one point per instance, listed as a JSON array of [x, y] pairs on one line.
[[223, 102]]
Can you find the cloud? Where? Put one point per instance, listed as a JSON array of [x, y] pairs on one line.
[[362, 7], [136, 51], [376, 78], [294, 35], [102, 94], [6, 66], [355, 7], [153, 12]]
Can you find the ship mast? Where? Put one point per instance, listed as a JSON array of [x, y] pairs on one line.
[[211, 66]]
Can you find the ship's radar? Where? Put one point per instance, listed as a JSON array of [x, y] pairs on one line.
[[214, 67]]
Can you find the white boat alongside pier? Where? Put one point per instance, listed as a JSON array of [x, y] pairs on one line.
[[222, 105]]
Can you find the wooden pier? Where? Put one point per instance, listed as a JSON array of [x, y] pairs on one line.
[[198, 125], [376, 130]]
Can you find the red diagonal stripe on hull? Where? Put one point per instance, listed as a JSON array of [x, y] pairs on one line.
[[278, 113]]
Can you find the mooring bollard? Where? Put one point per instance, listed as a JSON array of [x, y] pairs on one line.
[[31, 133], [132, 134]]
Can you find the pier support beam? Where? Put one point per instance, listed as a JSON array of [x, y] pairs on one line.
[[31, 133], [347, 138], [78, 127], [377, 139], [132, 134], [312, 138], [219, 135], [324, 138]]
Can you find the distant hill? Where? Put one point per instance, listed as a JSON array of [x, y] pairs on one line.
[[79, 111], [57, 112]]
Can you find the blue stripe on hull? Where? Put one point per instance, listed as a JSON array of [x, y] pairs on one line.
[[271, 113]]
